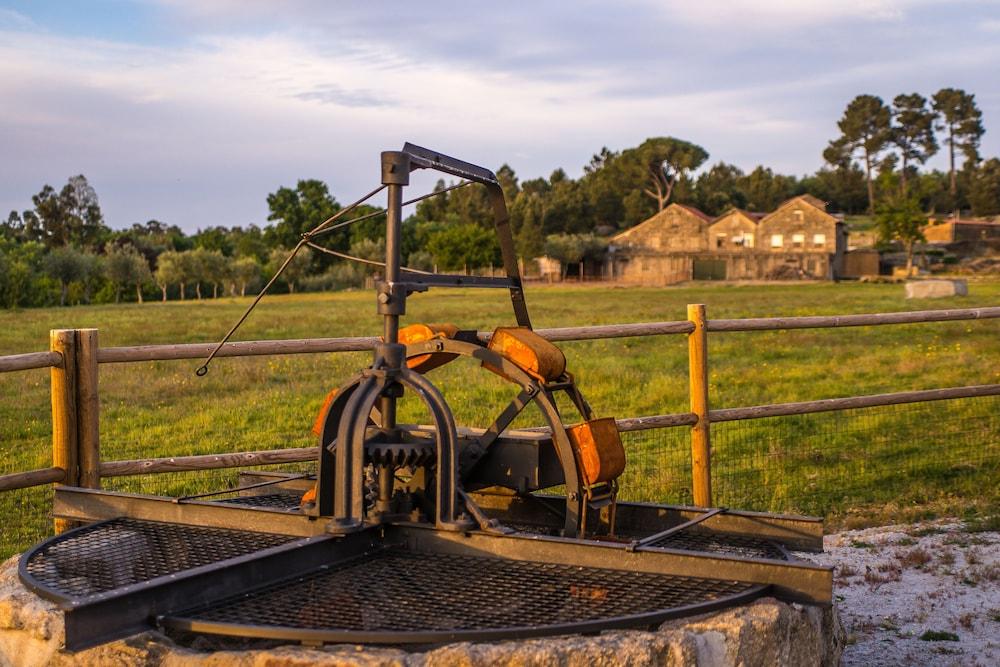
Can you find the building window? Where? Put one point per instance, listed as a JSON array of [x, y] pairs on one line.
[[748, 240], [738, 240], [799, 215], [819, 240], [720, 240], [798, 240], [777, 241]]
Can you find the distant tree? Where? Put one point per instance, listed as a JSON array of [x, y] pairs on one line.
[[169, 270], [566, 207], [865, 127], [68, 265], [913, 132], [125, 266], [71, 216], [656, 165], [764, 190], [567, 248], [528, 210], [984, 190], [718, 189], [243, 271], [900, 219], [463, 246], [296, 211], [296, 269], [962, 122], [214, 268]]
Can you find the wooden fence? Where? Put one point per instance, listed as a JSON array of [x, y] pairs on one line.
[[75, 356]]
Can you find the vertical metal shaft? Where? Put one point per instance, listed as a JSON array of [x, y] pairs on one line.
[[391, 297], [393, 232]]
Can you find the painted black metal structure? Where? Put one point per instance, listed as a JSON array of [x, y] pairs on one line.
[[462, 528]]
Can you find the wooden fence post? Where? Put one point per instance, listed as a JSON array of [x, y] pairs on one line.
[[701, 457], [64, 424], [88, 409]]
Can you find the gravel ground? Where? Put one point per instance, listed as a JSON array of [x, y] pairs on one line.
[[922, 594]]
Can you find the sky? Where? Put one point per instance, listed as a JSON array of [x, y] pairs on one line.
[[192, 111]]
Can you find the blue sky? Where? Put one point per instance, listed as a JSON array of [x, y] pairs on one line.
[[191, 112]]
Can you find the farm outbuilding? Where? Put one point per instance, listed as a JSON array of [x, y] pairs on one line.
[[797, 240]]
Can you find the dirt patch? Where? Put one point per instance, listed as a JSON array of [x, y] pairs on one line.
[[920, 594]]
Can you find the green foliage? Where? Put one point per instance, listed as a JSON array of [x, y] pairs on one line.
[[463, 246], [297, 211], [900, 219], [297, 269], [865, 127], [984, 188], [126, 267], [913, 132]]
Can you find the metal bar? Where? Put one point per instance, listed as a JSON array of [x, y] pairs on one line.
[[676, 529], [870, 319], [92, 505], [23, 480], [701, 451], [449, 280], [792, 580], [796, 532], [30, 360], [237, 489]]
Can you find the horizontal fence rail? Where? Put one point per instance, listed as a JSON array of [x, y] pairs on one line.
[[836, 321], [29, 361], [23, 480]]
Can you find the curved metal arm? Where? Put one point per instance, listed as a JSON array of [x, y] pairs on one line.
[[424, 158]]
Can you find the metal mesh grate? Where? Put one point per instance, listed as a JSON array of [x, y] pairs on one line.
[[731, 545], [120, 552], [278, 501], [402, 591]]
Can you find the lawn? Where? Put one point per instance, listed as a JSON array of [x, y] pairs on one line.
[[937, 457]]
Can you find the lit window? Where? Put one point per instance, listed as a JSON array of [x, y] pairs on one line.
[[819, 240], [798, 240], [777, 241], [748, 240]]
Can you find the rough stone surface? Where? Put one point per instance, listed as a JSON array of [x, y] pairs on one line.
[[936, 289], [765, 632]]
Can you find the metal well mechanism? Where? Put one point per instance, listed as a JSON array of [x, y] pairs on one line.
[[420, 533]]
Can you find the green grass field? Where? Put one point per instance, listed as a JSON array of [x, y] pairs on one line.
[[932, 458]]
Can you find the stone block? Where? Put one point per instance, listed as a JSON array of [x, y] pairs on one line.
[[936, 289]]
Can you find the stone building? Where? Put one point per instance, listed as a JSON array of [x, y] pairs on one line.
[[797, 240]]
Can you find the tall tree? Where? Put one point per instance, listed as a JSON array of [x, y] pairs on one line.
[[865, 127], [297, 211], [656, 165], [913, 132], [962, 122], [71, 216]]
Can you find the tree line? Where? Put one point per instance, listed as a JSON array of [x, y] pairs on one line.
[[61, 251]]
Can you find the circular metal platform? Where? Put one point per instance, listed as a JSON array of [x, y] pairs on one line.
[[397, 596]]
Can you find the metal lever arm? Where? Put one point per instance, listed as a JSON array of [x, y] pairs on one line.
[[424, 158]]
